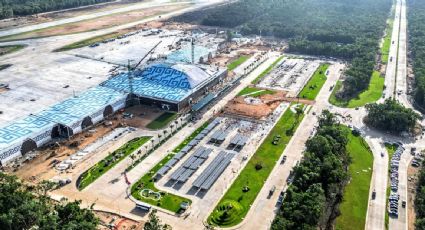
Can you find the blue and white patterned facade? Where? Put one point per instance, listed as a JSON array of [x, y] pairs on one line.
[[13, 135], [70, 113], [162, 82], [185, 54], [172, 83], [90, 103]]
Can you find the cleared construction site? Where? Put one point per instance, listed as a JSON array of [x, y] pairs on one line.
[[79, 119]]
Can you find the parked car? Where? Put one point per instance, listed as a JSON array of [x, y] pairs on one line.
[[283, 160]]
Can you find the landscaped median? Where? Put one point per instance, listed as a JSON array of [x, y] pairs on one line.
[[254, 92], [372, 94], [391, 148], [385, 49], [238, 199], [356, 194], [233, 65], [109, 162], [316, 82], [146, 183], [10, 49]]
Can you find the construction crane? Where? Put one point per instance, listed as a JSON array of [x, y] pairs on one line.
[[192, 46], [131, 69]]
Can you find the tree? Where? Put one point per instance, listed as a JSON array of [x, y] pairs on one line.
[[391, 116], [354, 34], [27, 7], [312, 199], [416, 17], [298, 112], [229, 35], [26, 207], [154, 223]]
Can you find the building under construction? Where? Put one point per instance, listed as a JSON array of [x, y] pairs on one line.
[[170, 87]]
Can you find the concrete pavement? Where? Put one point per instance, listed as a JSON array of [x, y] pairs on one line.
[[375, 218], [118, 201], [391, 71], [263, 210], [401, 94]]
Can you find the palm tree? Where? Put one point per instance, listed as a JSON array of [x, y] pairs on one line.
[[152, 141], [132, 156]]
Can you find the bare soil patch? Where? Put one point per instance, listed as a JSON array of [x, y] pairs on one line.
[[108, 220], [412, 176], [41, 167]]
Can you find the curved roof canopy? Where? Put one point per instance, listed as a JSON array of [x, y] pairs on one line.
[[179, 75], [172, 82]]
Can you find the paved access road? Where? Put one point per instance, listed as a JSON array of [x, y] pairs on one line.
[[263, 210], [139, 6], [391, 70], [375, 218]]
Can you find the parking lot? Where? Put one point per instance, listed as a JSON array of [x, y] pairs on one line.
[[290, 75]]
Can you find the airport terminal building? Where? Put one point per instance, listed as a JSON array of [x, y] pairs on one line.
[[171, 87]]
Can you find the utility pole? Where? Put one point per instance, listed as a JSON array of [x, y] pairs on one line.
[[193, 50]]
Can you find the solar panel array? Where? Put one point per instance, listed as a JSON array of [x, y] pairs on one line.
[[219, 136], [167, 167], [192, 164], [210, 175], [238, 142]]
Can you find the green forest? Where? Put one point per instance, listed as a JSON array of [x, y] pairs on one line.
[[24, 206], [416, 18], [344, 29], [420, 201], [14, 8], [391, 116], [312, 200]]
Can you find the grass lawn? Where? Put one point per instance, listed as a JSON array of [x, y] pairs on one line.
[[89, 41], [254, 92], [168, 201], [265, 72], [162, 121], [372, 94], [356, 194], [237, 62], [235, 204], [110, 161], [10, 49], [313, 86], [95, 24], [391, 148], [385, 49]]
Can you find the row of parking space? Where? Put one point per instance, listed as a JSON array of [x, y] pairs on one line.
[[183, 152], [394, 180]]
